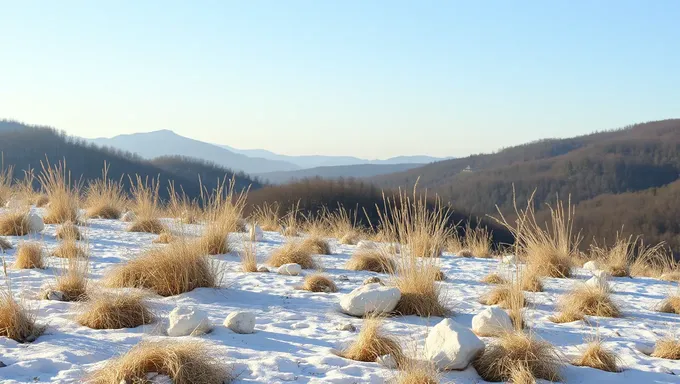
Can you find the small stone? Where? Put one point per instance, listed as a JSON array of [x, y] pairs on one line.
[[291, 269], [373, 280], [128, 217], [591, 265], [492, 321], [188, 320], [35, 223], [370, 298], [256, 233], [343, 278], [346, 327], [2, 365], [52, 294], [240, 322], [387, 361], [262, 268]]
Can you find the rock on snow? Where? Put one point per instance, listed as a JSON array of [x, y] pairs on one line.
[[450, 345], [370, 298]]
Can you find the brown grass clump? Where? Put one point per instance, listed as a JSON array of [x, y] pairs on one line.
[[72, 282], [6, 177], [417, 372], [439, 275], [631, 257], [16, 322], [267, 217], [292, 252], [69, 249], [670, 305], [503, 295], [185, 362], [342, 224], [318, 283], [180, 267], [183, 207], [68, 231], [145, 206], [224, 210], [105, 198], [29, 255], [371, 343], [316, 245], [530, 280], [63, 195], [290, 225], [115, 311], [477, 241], [249, 257], [5, 244], [420, 293], [519, 357], [14, 223], [586, 301], [465, 253], [667, 348], [371, 260], [147, 226], [214, 240], [494, 278], [164, 238], [597, 356], [41, 201]]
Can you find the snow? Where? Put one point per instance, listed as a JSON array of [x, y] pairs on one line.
[[297, 331]]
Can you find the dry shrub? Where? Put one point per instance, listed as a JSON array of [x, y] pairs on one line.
[[503, 295], [586, 301], [670, 305], [494, 278], [41, 201], [68, 231], [249, 257], [177, 268], [185, 362], [417, 372], [372, 343], [14, 223], [290, 222], [266, 216], [292, 252], [667, 348], [115, 311], [5, 244], [214, 240], [316, 245], [439, 275], [62, 194], [371, 260], [530, 280], [29, 255], [318, 283], [183, 207], [69, 249], [105, 198], [73, 280], [519, 357], [224, 211], [597, 356], [342, 224], [465, 253], [548, 250], [16, 322], [145, 206], [477, 241], [6, 177], [164, 238]]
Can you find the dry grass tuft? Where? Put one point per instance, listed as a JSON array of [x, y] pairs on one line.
[[420, 293], [342, 224], [145, 206], [631, 257], [68, 231], [290, 225], [477, 241], [41, 201], [105, 198], [73, 280], [503, 295], [371, 260], [292, 252], [178, 268], [519, 357], [69, 249], [667, 348], [214, 240], [465, 253], [183, 207], [670, 276], [164, 238], [249, 257], [185, 362], [586, 301], [530, 280], [494, 278], [439, 275], [597, 356], [267, 217], [5, 244], [670, 305], [417, 372], [316, 245], [14, 223], [224, 210], [318, 283], [115, 311], [6, 177], [62, 194], [16, 322], [147, 226], [29, 255], [371, 343]]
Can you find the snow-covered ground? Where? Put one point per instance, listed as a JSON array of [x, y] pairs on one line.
[[296, 331]]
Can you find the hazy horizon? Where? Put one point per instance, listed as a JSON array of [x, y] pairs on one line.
[[371, 80]]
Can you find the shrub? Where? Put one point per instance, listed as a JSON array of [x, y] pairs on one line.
[[69, 249], [371, 260], [316, 245], [62, 194], [14, 223], [105, 198], [494, 278], [115, 311], [249, 257], [598, 357], [16, 322], [29, 255], [145, 206], [371, 343], [670, 305], [185, 362], [73, 280], [292, 252], [667, 348], [585, 300], [68, 231], [266, 216], [318, 283]]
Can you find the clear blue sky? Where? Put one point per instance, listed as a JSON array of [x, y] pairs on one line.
[[366, 78]]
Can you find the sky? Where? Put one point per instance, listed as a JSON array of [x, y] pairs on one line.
[[367, 78]]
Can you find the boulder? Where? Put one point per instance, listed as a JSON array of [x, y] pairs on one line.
[[188, 320], [35, 223], [592, 265], [450, 345], [291, 269], [256, 233], [370, 298], [599, 282], [492, 321], [128, 217], [241, 322]]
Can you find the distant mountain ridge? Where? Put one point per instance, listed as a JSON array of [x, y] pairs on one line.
[[335, 172]]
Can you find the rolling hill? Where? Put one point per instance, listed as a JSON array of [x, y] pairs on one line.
[[335, 172]]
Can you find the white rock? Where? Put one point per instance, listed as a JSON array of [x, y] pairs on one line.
[[599, 282], [591, 265], [346, 327], [343, 278], [291, 269], [370, 298], [128, 217], [492, 321], [262, 268], [35, 223], [450, 345], [256, 233], [387, 361], [601, 274], [240, 322], [509, 259], [187, 320], [51, 294]]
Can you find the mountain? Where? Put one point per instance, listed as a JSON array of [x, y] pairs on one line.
[[167, 143], [335, 172], [313, 161], [591, 170]]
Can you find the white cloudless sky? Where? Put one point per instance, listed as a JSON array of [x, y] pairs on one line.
[[372, 79]]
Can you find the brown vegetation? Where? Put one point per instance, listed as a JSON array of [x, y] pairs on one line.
[[115, 311], [371, 343], [292, 252], [61, 192], [586, 301], [16, 322], [29, 255], [318, 283], [14, 223]]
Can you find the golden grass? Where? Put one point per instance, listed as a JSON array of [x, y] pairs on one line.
[[670, 305], [371, 260], [223, 211], [183, 207], [530, 280], [145, 205], [439, 275], [177, 268], [417, 372], [420, 293], [68, 231], [185, 362], [115, 311], [342, 224], [494, 278], [16, 322], [290, 225], [595, 355], [266, 216], [372, 343], [629, 256], [318, 283], [5, 244], [29, 255], [477, 241], [292, 252], [519, 356], [62, 194], [667, 348], [164, 238], [69, 249], [316, 245], [14, 223], [6, 177], [105, 198], [73, 280], [586, 301], [503, 295], [249, 257], [465, 253], [214, 240], [41, 201]]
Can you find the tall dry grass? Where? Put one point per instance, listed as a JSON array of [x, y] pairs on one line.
[[341, 224], [629, 256], [14, 222], [105, 198], [73, 279], [266, 216], [6, 177], [62, 193], [114, 311], [145, 205], [293, 252], [29, 255], [16, 321], [372, 342], [249, 257], [291, 221], [586, 301], [182, 207], [224, 214], [477, 242]]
